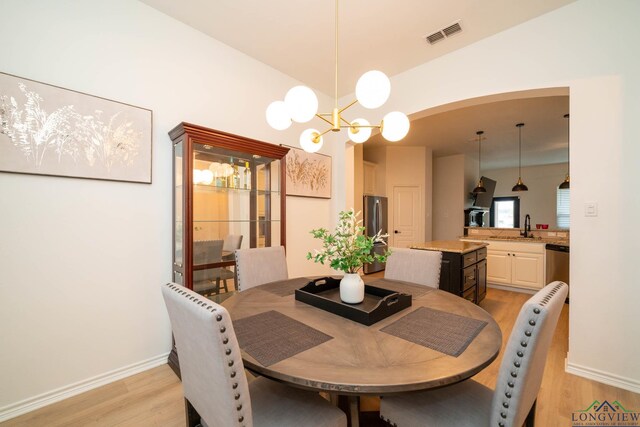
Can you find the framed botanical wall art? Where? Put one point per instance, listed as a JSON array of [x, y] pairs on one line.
[[49, 130], [308, 174]]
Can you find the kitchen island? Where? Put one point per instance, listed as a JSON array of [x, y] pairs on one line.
[[463, 271]]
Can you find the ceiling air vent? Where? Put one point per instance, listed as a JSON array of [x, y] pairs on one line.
[[452, 29], [435, 37], [439, 35]]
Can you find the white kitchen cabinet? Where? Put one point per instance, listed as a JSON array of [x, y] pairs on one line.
[[516, 264], [498, 267], [369, 178]]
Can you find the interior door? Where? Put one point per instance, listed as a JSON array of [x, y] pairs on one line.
[[408, 221]]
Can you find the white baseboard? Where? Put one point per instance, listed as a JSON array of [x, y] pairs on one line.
[[511, 288], [603, 377], [27, 405]]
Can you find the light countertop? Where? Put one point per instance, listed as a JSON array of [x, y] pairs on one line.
[[551, 240], [449, 246]]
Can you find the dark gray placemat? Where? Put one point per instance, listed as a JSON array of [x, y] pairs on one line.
[[271, 336], [283, 288], [404, 287], [438, 330]]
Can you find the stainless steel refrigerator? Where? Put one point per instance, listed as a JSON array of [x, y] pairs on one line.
[[375, 218]]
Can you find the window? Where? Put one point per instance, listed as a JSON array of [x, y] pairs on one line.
[[562, 207], [505, 212]]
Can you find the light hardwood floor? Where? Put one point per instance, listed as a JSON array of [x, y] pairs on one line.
[[154, 397]]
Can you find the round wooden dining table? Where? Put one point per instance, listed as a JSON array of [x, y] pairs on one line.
[[363, 360]]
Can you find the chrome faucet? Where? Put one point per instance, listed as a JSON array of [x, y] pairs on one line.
[[527, 226]]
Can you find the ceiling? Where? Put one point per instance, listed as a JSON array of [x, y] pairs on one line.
[[544, 135], [297, 38]]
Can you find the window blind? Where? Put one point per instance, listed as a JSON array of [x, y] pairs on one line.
[[562, 207]]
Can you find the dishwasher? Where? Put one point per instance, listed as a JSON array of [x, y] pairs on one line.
[[557, 258]]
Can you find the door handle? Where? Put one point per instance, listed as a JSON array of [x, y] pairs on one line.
[[397, 232]]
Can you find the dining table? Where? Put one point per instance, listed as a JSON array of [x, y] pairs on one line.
[[441, 339]]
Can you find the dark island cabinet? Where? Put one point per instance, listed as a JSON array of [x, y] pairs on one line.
[[465, 274]]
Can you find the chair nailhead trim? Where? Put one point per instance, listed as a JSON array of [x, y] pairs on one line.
[[235, 386], [230, 363], [508, 395], [523, 343], [520, 354], [218, 317], [500, 424], [241, 419], [536, 310], [527, 333], [223, 330], [227, 351], [239, 407], [236, 396], [511, 384], [532, 322], [505, 404], [225, 340], [233, 374], [503, 414], [516, 364], [514, 374]]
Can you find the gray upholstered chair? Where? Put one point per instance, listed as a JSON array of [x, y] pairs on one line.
[[257, 266], [231, 243], [513, 401], [208, 280], [416, 266], [215, 387]]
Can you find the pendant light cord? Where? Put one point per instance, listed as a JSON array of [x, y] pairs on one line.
[[566, 116], [520, 149], [336, 85], [479, 133]]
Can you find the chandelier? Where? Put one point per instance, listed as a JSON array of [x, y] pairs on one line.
[[301, 105]]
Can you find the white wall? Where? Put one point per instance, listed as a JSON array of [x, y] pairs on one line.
[[601, 69], [82, 261], [540, 201], [449, 194], [428, 195]]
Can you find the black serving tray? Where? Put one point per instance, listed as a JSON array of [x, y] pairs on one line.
[[378, 303]]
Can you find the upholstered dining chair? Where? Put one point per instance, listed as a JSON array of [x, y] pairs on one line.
[[513, 401], [216, 390], [231, 243], [257, 266], [208, 280], [413, 265]]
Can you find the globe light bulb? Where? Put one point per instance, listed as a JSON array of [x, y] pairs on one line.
[[197, 176], [359, 134], [301, 104], [277, 115], [307, 143], [206, 177], [215, 167], [373, 89], [395, 126]]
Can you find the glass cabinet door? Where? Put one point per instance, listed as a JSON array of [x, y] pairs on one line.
[[224, 199]]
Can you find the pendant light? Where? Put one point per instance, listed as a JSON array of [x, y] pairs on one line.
[[480, 187], [565, 184], [520, 185]]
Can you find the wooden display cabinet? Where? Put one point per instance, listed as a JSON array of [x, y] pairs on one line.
[[228, 193]]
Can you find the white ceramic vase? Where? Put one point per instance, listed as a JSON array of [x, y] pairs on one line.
[[352, 288]]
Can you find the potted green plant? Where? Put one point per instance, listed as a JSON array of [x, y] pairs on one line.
[[347, 250]]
